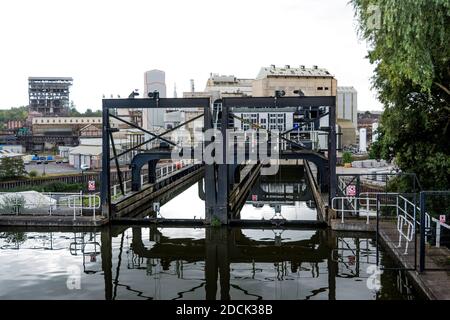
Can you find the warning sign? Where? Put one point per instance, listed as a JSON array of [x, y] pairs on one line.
[[442, 218], [351, 190], [91, 185], [254, 197]]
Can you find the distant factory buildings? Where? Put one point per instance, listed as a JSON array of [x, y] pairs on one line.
[[49, 95]]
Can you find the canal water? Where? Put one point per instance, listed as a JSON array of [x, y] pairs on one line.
[[123, 262]]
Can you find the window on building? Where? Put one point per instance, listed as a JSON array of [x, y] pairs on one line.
[[319, 88], [263, 120], [326, 88]]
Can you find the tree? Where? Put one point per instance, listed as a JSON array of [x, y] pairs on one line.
[[20, 113], [410, 48], [347, 157], [12, 168]]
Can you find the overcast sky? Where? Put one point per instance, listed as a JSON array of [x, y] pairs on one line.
[[106, 46]]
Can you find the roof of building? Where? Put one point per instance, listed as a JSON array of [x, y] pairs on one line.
[[346, 89], [288, 71], [51, 78], [87, 150], [89, 126]]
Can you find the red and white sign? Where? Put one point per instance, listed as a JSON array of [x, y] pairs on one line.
[[351, 190], [91, 185], [442, 218], [254, 197]]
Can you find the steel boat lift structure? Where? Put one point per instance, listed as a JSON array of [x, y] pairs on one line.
[[219, 177]]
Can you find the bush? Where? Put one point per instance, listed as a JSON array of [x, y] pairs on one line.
[[50, 187], [33, 174], [347, 157]]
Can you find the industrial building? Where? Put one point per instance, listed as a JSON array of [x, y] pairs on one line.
[[347, 114], [229, 86], [313, 81], [49, 95]]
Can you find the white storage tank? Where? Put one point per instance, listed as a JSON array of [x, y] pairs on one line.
[[362, 140]]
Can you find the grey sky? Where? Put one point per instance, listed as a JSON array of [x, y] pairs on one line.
[[107, 45]]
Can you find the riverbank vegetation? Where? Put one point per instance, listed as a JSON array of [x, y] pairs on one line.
[[410, 49]]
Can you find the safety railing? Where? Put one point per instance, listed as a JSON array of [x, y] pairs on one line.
[[406, 211], [362, 205], [47, 203], [408, 235], [161, 173], [84, 202], [439, 226]]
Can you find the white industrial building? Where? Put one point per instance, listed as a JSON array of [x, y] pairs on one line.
[[153, 119], [228, 86], [90, 155], [347, 114]]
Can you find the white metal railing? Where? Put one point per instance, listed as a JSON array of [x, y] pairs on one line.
[[84, 202], [366, 206], [402, 221], [406, 211], [47, 203], [439, 226], [161, 172]]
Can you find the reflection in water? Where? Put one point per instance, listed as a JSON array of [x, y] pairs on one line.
[[156, 263], [285, 195], [121, 262]]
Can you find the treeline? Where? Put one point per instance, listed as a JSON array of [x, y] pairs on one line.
[[73, 112], [409, 45], [20, 113]]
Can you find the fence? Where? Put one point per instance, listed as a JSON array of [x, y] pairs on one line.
[[32, 203], [435, 236], [161, 173], [399, 218]]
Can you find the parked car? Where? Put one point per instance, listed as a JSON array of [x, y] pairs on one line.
[[65, 161], [85, 167]]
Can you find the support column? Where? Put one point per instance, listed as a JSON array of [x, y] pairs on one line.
[[221, 211], [332, 264], [332, 152], [217, 263], [106, 253], [152, 171], [210, 176], [105, 191]]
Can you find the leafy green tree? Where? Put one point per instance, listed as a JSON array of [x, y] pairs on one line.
[[410, 48], [347, 157], [12, 168]]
